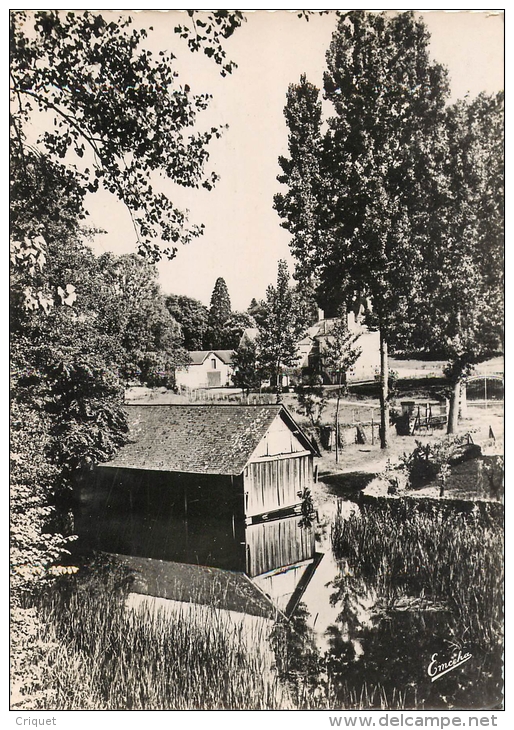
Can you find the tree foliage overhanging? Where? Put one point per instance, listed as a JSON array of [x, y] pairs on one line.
[[114, 115], [91, 108]]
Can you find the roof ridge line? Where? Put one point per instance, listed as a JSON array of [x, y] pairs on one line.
[[209, 405]]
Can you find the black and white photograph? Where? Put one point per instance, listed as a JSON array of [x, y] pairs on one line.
[[256, 360]]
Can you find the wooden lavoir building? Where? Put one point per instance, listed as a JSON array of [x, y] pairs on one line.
[[211, 485]]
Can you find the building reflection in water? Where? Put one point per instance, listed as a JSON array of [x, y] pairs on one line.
[[262, 571]]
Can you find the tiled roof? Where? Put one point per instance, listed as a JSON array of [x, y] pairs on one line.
[[197, 439], [199, 356], [226, 355]]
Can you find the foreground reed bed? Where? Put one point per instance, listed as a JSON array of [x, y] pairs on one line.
[[105, 655], [418, 581], [412, 582], [101, 651]]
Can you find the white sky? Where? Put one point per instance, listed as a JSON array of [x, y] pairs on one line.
[[243, 239]]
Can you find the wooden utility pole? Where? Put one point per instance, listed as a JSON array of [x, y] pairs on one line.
[[384, 392]]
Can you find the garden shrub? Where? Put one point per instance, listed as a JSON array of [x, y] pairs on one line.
[[424, 463]]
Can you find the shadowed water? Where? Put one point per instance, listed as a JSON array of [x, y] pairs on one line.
[[349, 642]]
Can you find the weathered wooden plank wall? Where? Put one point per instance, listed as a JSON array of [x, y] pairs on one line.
[[277, 544], [179, 517], [275, 483]]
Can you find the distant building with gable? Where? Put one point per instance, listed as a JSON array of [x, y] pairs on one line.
[[207, 369], [313, 347]]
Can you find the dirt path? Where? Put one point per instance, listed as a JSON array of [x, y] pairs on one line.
[[359, 464]]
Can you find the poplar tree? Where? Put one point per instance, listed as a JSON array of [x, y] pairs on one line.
[[281, 329], [379, 162], [301, 207]]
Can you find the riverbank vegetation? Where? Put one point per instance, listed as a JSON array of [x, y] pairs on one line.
[[422, 564], [101, 653], [96, 651], [415, 579]]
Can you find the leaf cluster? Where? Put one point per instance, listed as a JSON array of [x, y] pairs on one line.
[[209, 31], [247, 370], [113, 114], [192, 316]]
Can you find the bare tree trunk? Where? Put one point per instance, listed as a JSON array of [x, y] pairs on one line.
[[337, 416], [453, 415], [279, 383], [384, 393]]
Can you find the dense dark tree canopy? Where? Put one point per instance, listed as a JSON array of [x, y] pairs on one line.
[[306, 297], [133, 310], [301, 208], [192, 317], [219, 312], [257, 310], [381, 150], [247, 375], [64, 382], [457, 312]]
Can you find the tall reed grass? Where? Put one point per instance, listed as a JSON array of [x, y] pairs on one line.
[[106, 655], [450, 558], [104, 652]]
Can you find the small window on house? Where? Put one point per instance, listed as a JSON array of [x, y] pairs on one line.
[[213, 363]]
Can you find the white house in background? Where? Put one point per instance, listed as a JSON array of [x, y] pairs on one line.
[[317, 341], [207, 369], [367, 365]]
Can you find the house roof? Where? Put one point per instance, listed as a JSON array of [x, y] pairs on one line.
[[322, 328], [198, 439], [250, 334], [198, 357]]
